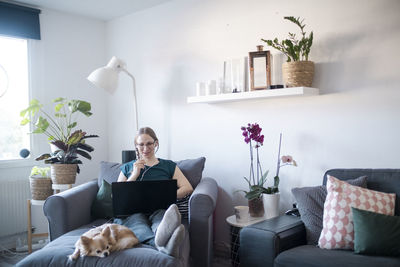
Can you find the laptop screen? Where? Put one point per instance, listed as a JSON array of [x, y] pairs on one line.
[[142, 196]]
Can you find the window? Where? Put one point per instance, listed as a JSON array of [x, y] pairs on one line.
[[14, 72]]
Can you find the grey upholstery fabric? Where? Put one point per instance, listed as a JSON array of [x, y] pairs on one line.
[[201, 208], [192, 169], [310, 202], [261, 242], [264, 245], [109, 171], [70, 209], [55, 254], [312, 256], [68, 214]]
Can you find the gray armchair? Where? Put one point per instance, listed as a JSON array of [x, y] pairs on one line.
[[281, 241], [69, 215]]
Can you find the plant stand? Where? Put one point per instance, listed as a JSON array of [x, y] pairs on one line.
[[30, 234]]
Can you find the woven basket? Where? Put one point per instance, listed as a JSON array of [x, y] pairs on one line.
[[40, 188], [63, 173], [298, 73]]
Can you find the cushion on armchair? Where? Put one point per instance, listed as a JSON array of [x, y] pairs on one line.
[[310, 202]]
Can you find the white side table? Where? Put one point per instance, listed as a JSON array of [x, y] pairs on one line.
[[30, 234], [235, 235]]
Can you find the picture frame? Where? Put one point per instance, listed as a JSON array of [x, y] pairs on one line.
[[260, 69]]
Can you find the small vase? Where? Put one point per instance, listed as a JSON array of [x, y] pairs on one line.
[[256, 207], [271, 205]]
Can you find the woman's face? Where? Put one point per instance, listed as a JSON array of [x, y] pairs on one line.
[[146, 145]]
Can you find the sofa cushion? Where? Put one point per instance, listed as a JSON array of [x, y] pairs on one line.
[[56, 254], [102, 206], [313, 256], [338, 229], [109, 171], [310, 202], [192, 169], [376, 234]]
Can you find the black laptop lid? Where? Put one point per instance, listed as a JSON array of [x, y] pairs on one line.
[[142, 196]]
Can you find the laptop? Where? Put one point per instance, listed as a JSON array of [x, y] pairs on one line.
[[142, 196]]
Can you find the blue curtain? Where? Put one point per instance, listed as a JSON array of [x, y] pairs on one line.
[[19, 21]]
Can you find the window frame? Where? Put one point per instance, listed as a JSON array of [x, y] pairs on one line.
[[30, 161]]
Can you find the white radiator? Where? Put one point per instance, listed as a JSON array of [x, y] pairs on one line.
[[13, 212]]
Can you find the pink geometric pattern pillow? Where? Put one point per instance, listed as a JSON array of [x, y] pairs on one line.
[[338, 229]]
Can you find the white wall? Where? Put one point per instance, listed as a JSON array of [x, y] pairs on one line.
[[353, 123], [70, 48]]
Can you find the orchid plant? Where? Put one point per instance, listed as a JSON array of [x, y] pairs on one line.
[[252, 133], [253, 137], [282, 161]]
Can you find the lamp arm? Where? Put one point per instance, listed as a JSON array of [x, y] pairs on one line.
[[134, 97]]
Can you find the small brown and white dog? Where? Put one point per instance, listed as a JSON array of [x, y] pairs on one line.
[[103, 240]]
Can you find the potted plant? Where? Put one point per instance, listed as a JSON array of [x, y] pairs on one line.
[[40, 183], [271, 196], [252, 133], [298, 70], [59, 129]]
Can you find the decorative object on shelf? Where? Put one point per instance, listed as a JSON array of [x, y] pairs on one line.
[[235, 75], [40, 183], [59, 130], [297, 71], [271, 194], [260, 69], [107, 78], [256, 183], [277, 60]]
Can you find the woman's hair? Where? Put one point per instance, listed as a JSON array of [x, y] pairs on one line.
[[148, 131]]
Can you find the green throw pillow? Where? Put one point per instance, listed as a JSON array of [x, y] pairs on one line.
[[376, 234], [102, 206]]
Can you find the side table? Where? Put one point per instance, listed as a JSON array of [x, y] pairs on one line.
[[235, 235], [30, 234]]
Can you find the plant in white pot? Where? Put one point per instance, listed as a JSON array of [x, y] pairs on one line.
[[40, 183], [60, 130], [271, 196], [298, 70]]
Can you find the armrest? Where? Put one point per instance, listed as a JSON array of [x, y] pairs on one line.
[[70, 209], [201, 209], [260, 243]]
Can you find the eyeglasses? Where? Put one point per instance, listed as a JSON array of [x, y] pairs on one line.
[[149, 144]]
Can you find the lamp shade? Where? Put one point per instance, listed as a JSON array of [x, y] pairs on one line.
[[107, 77]]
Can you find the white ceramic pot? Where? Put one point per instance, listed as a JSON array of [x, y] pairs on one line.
[[271, 205]]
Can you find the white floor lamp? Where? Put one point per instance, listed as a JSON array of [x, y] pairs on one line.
[[107, 78]]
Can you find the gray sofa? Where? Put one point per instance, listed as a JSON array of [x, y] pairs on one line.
[[69, 215], [281, 241]]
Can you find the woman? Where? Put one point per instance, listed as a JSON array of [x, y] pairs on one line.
[[162, 229]]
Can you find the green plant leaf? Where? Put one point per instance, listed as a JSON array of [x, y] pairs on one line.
[[58, 99], [25, 121], [58, 107], [42, 124], [60, 115], [83, 154], [72, 125], [43, 156], [276, 181]]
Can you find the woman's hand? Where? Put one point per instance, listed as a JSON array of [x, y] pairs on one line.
[[137, 167]]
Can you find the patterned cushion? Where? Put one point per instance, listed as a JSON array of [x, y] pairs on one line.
[[310, 202], [338, 230]]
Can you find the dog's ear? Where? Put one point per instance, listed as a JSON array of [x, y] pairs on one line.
[[85, 240], [106, 231]]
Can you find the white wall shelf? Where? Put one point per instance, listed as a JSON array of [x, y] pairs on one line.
[[259, 94]]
